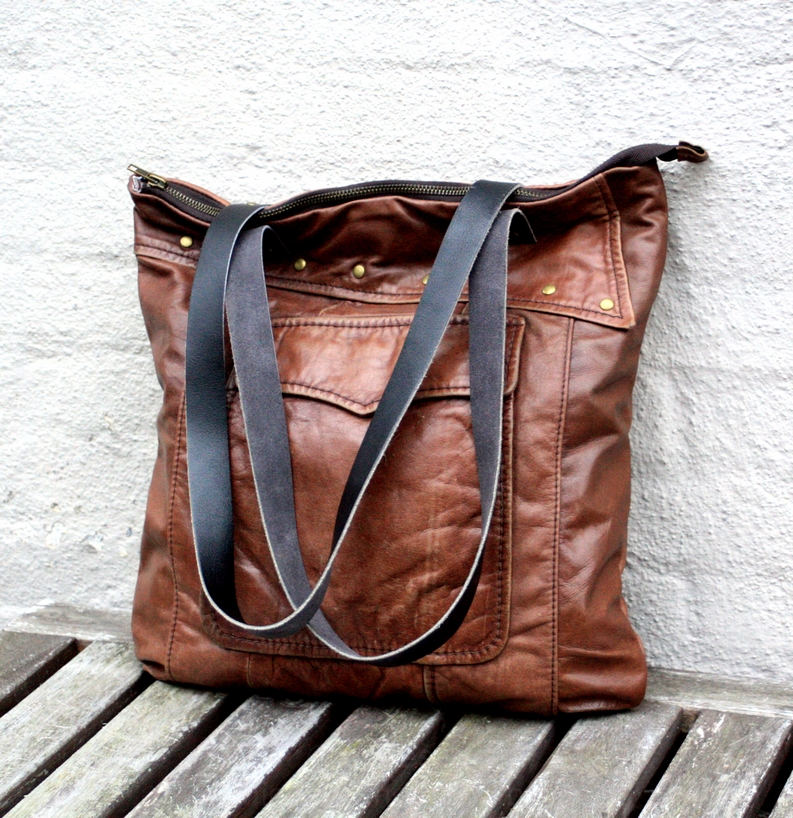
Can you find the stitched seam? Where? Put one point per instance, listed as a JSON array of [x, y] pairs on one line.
[[407, 297], [620, 270], [179, 432], [383, 323], [386, 321], [163, 255], [248, 670], [372, 404], [331, 287], [566, 306], [609, 252], [558, 521], [512, 299], [426, 682]]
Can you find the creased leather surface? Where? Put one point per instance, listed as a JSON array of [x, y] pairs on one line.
[[548, 630]]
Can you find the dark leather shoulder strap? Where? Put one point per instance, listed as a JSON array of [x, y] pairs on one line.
[[209, 470]]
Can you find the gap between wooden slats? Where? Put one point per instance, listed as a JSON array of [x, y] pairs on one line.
[[783, 808], [723, 769], [130, 755], [60, 715], [602, 765], [478, 770], [360, 768], [26, 660], [235, 771]]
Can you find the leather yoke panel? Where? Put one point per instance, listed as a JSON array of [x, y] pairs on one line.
[[578, 253], [575, 268]]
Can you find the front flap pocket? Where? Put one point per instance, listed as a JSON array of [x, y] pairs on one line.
[[348, 361], [416, 530]]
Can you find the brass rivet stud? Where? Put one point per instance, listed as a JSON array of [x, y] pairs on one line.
[[425, 279], [359, 271], [186, 241], [300, 264], [549, 289], [606, 304]]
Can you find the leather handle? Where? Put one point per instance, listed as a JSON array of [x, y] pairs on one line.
[[240, 264]]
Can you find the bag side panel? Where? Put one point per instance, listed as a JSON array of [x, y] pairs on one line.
[[601, 661], [163, 284]]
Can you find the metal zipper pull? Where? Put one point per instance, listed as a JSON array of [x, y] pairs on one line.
[[151, 178]]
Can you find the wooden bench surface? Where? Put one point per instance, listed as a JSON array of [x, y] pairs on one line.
[[84, 732]]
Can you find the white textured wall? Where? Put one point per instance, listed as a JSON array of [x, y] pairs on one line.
[[262, 100]]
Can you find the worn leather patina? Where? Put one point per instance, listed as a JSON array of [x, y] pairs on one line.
[[548, 630]]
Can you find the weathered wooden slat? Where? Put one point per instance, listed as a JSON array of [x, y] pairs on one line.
[[238, 768], [723, 769], [125, 759], [602, 765], [357, 771], [784, 805], [84, 624], [26, 660], [478, 770], [701, 691], [61, 714]]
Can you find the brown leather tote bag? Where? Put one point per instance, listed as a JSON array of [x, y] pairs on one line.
[[393, 448]]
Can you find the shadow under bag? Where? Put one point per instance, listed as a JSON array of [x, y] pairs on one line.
[[393, 448]]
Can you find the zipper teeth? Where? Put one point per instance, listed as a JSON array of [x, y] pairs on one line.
[[422, 190], [210, 210], [331, 195]]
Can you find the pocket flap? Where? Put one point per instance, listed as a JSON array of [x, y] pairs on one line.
[[576, 267], [348, 361]]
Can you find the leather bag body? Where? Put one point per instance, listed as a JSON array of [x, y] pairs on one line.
[[547, 630]]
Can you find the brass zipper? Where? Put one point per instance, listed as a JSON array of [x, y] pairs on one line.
[[151, 178], [170, 190], [174, 191]]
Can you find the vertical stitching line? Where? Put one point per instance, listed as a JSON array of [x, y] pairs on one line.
[[610, 251], [425, 681], [179, 431], [558, 519], [504, 486]]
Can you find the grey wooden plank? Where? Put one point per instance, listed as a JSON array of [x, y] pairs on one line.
[[357, 771], [127, 757], [238, 768], [723, 769], [26, 660], [703, 691], [784, 805], [478, 770], [84, 624], [62, 713], [602, 765]]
